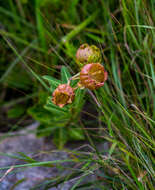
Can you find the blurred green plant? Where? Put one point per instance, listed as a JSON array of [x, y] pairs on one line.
[[16, 111]]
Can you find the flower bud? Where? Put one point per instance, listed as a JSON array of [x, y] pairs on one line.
[[93, 76], [63, 94], [88, 54]]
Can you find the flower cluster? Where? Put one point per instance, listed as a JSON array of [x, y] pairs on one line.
[[92, 75]]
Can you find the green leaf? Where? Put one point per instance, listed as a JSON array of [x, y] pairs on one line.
[[42, 132], [16, 111], [40, 114], [60, 137], [76, 134], [52, 81], [65, 75], [79, 99], [13, 81], [95, 37], [54, 108], [42, 98], [24, 1], [79, 28], [26, 158]]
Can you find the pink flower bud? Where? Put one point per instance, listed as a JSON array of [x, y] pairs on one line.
[[93, 76], [88, 54], [63, 94]]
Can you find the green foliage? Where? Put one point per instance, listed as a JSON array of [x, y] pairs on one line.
[[63, 118], [13, 79], [38, 38], [76, 134], [37, 111], [65, 75], [16, 111], [24, 1], [62, 123]]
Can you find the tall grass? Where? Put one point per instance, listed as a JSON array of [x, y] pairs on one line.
[[125, 32]]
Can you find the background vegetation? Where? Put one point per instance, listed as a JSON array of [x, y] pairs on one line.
[[38, 37]]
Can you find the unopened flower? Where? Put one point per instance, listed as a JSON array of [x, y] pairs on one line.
[[88, 54], [63, 94], [93, 76]]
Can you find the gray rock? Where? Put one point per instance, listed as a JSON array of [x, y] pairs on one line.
[[32, 147], [39, 150]]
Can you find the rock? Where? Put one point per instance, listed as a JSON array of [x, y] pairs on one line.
[[32, 147], [27, 178]]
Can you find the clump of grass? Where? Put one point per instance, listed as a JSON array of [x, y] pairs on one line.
[[125, 32]]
